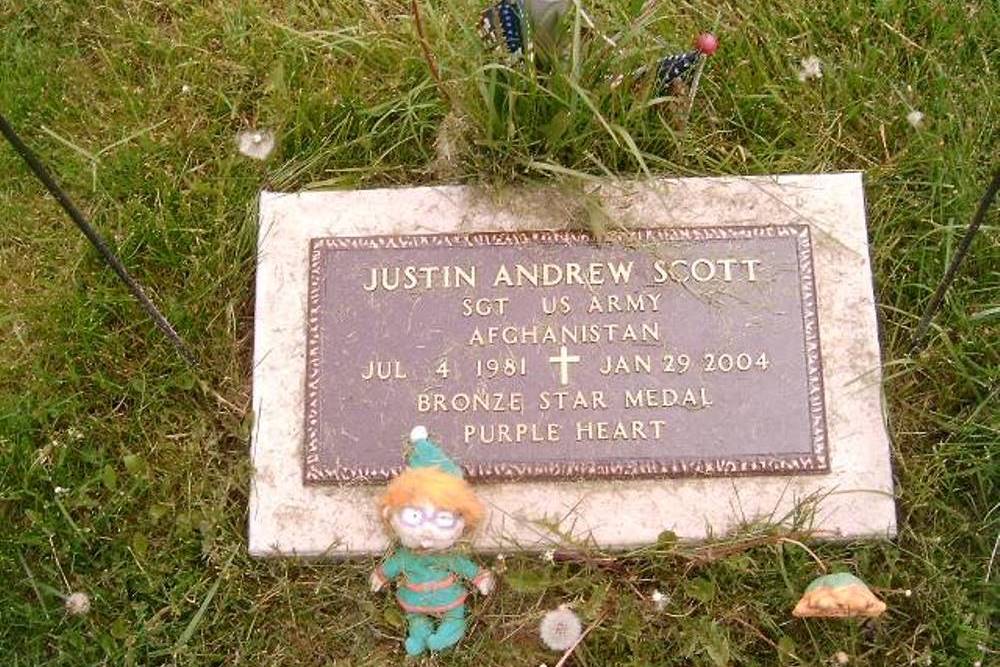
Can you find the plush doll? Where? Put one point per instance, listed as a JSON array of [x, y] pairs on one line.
[[429, 506]]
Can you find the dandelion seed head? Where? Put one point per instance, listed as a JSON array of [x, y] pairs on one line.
[[560, 628], [450, 145], [915, 119], [841, 658], [501, 563], [256, 144], [78, 604], [810, 68], [44, 456]]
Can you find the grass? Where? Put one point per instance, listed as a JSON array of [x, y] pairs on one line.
[[124, 474]]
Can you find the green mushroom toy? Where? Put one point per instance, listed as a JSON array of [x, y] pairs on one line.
[[840, 595]]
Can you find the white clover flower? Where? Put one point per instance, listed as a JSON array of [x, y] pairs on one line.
[[841, 658], [78, 604], [660, 600], [915, 119], [811, 68], [256, 144], [549, 555], [560, 628]]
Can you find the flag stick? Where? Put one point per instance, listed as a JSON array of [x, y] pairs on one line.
[[95, 238], [956, 261]]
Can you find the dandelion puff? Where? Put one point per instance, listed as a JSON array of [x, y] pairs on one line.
[[501, 564], [915, 119], [450, 145], [660, 600], [78, 604], [256, 144], [560, 628], [811, 68], [44, 456], [841, 658]]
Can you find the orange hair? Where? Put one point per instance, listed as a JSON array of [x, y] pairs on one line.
[[435, 486]]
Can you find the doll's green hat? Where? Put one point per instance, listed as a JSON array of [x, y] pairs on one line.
[[426, 454]]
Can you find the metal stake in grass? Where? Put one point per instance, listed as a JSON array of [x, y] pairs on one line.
[[956, 261], [94, 237]]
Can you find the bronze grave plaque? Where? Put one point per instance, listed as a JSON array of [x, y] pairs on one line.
[[662, 352]]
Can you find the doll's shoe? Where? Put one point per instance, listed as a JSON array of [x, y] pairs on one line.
[[447, 635], [420, 628], [438, 642], [415, 645]]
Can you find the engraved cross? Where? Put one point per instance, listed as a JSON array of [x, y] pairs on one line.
[[564, 360]]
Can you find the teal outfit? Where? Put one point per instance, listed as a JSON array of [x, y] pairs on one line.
[[431, 588]]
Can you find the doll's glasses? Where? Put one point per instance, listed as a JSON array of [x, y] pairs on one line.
[[416, 516]]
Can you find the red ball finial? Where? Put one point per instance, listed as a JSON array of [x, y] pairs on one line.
[[707, 43]]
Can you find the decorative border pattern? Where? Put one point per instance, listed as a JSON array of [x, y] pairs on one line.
[[816, 462]]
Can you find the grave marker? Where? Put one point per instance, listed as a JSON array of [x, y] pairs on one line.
[[661, 352], [715, 363]]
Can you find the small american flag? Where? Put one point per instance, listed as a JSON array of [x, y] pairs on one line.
[[503, 24], [675, 67]]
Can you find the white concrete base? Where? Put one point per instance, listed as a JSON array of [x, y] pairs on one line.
[[855, 499]]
